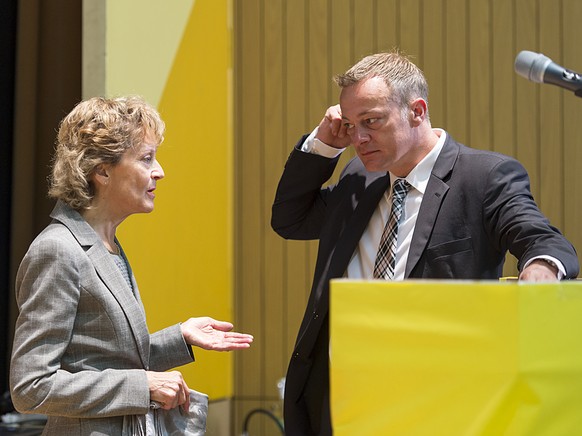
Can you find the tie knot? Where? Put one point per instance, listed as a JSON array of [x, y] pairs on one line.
[[400, 188]]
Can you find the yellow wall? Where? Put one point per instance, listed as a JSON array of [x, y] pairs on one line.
[[177, 55]]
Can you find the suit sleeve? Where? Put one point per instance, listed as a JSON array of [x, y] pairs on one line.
[[299, 208], [168, 349], [48, 292], [516, 223]]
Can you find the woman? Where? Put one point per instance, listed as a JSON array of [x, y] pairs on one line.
[[82, 351]]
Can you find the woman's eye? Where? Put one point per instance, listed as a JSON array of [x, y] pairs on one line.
[[348, 125], [371, 120]]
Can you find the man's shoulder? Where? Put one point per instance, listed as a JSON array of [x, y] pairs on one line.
[[478, 155]]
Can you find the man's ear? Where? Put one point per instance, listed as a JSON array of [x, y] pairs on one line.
[[419, 110]]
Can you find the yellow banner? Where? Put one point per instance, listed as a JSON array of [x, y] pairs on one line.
[[456, 358]]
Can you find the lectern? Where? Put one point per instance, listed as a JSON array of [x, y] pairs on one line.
[[456, 358]]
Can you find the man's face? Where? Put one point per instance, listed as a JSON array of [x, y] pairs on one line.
[[379, 130]]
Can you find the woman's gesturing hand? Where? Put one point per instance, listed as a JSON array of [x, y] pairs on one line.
[[210, 334]]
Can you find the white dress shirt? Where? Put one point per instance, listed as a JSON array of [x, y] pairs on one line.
[[361, 265]]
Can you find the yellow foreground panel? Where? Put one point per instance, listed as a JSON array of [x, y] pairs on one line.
[[456, 358]]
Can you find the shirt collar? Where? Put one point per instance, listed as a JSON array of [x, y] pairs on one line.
[[420, 174]]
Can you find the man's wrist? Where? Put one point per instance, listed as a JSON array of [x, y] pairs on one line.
[[549, 263]]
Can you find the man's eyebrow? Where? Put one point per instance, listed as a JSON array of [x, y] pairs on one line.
[[366, 112]]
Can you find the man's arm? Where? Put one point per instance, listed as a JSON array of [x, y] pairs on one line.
[[522, 228], [300, 201]]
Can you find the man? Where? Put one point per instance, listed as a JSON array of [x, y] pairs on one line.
[[460, 211]]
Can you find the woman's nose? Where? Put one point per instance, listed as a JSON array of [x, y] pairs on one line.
[[158, 171]]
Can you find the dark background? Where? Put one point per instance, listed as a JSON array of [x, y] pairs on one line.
[[7, 74], [40, 82]]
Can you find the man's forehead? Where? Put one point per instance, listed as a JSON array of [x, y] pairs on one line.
[[360, 102]]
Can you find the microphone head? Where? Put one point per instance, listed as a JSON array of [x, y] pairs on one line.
[[532, 65]]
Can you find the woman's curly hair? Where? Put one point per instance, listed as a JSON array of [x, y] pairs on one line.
[[97, 131]]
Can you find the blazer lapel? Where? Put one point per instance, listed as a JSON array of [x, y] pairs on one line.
[[356, 225], [344, 249], [432, 200], [109, 273]]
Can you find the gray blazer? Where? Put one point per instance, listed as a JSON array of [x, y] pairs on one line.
[[81, 345]]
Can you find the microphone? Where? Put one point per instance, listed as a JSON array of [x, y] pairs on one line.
[[541, 69]]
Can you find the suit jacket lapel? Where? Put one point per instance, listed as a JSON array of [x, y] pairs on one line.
[[356, 225], [343, 251], [112, 278], [431, 202], [109, 273]]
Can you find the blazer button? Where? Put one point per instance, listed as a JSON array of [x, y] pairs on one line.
[[315, 315]]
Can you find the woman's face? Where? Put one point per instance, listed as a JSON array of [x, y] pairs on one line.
[[132, 182]]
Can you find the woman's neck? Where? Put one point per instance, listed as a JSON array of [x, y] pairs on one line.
[[104, 225]]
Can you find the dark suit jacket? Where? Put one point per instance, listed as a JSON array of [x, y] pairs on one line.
[[476, 207]]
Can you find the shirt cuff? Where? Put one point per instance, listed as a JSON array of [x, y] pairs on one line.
[[550, 259], [313, 145]]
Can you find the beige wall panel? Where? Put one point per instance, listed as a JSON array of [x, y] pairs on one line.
[[387, 24], [340, 48], [527, 97], [433, 61], [572, 58], [341, 54], [319, 77], [275, 351], [297, 270], [479, 76], [318, 62], [411, 31], [503, 89], [503, 77], [363, 31], [455, 54], [551, 152], [288, 52], [249, 131]]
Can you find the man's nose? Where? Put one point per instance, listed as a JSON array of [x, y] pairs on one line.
[[359, 135]]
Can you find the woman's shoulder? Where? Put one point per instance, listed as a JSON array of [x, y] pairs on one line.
[[55, 240]]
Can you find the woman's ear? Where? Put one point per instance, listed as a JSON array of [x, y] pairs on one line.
[[101, 175]]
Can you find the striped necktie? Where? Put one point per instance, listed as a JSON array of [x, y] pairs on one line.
[[385, 259]]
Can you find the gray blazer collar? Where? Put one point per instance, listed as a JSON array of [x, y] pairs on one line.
[[77, 225], [109, 273]]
